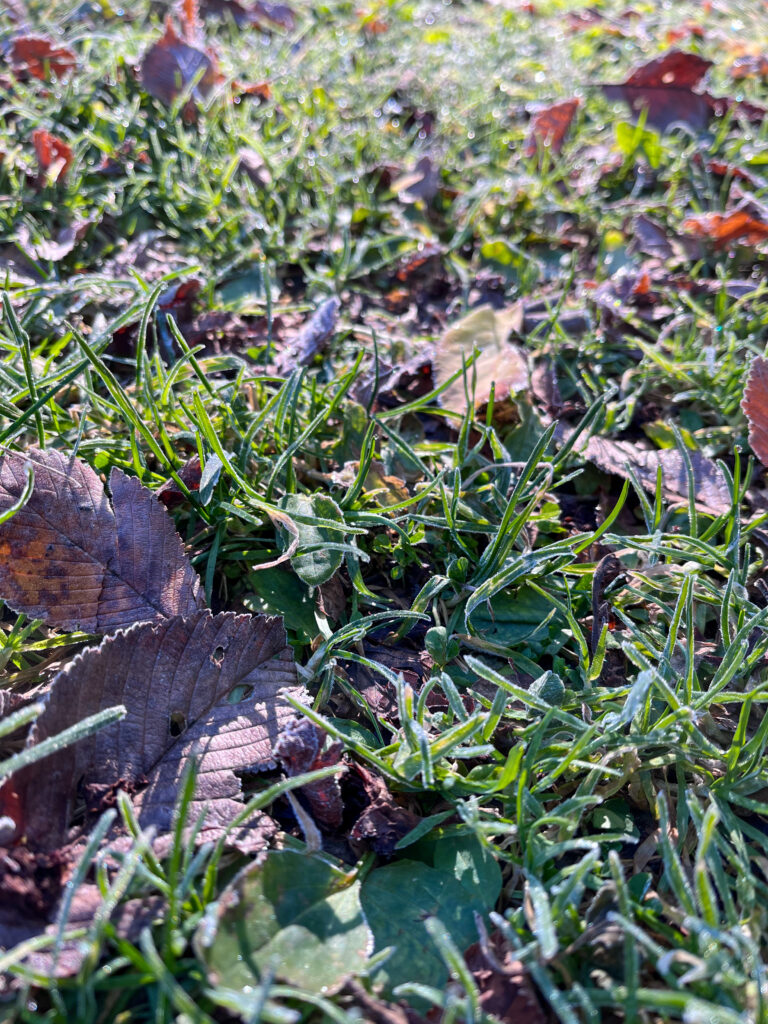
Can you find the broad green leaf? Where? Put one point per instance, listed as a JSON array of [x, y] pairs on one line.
[[298, 915], [396, 899], [314, 562], [277, 591], [473, 865]]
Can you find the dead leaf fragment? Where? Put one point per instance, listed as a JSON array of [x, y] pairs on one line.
[[749, 66], [200, 685], [54, 156], [76, 561], [52, 251], [755, 406], [384, 822], [664, 87], [549, 126], [499, 362], [300, 748], [711, 487], [506, 991], [724, 229], [41, 57], [171, 67], [311, 339]]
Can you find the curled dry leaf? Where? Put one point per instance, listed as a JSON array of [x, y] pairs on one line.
[[549, 126], [54, 156], [755, 406], [312, 338], [499, 362], [52, 251], [199, 685], [76, 561], [724, 229], [384, 822], [41, 58], [170, 67], [300, 748]]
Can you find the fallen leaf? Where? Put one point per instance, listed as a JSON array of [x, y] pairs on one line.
[[171, 67], [41, 57], [300, 749], [505, 988], [52, 251], [189, 18], [199, 685], [419, 185], [664, 87], [295, 915], [266, 14], [190, 474], [724, 229], [749, 66], [311, 339], [384, 822], [263, 16], [499, 362], [76, 561], [755, 406], [549, 127], [54, 157], [711, 488]]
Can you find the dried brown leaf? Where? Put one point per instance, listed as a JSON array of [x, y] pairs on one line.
[[76, 561], [171, 66], [201, 685], [54, 156], [755, 406], [664, 87], [41, 57], [711, 487], [300, 749], [549, 126], [724, 229]]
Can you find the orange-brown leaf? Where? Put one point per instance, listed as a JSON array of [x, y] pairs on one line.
[[550, 125], [77, 561], [54, 156], [724, 229], [755, 406], [41, 57]]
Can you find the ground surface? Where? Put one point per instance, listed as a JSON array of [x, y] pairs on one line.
[[362, 295]]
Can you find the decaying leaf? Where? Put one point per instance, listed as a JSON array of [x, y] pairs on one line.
[[420, 184], [41, 57], [76, 561], [297, 915], [505, 988], [200, 685], [549, 126], [171, 67], [750, 66], [54, 156], [499, 362], [384, 822], [711, 488], [664, 87], [300, 749], [755, 406], [724, 229], [311, 339]]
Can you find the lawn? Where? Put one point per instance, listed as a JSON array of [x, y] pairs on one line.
[[383, 519]]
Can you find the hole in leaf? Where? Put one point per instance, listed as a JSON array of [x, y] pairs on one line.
[[240, 693], [177, 723], [217, 655]]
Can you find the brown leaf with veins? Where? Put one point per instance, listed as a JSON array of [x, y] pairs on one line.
[[76, 561], [711, 487], [41, 58], [201, 685], [755, 406], [300, 749]]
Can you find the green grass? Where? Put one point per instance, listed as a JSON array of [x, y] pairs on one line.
[[493, 534]]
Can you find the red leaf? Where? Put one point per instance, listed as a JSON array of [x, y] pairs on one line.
[[550, 125], [54, 156], [41, 57], [665, 88], [724, 229], [189, 19], [755, 406]]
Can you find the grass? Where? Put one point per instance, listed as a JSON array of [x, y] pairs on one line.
[[628, 820]]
